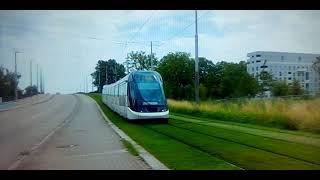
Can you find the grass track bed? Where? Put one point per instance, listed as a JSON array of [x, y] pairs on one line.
[[297, 151], [238, 154], [183, 144], [258, 131], [254, 126], [172, 153]]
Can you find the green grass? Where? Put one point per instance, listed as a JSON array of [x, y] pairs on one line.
[[130, 147], [174, 154], [188, 144], [287, 148], [238, 154], [175, 115]]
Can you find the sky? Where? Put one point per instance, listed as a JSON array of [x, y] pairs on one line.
[[67, 44]]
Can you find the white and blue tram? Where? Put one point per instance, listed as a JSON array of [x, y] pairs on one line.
[[137, 96]]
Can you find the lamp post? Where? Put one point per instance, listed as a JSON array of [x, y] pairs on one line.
[[16, 75]]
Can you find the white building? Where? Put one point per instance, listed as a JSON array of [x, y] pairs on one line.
[[286, 66]]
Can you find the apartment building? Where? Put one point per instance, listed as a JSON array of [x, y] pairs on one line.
[[286, 66]]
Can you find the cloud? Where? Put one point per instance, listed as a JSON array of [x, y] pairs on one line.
[[68, 44]]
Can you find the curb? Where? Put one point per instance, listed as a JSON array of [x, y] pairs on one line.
[[154, 163]]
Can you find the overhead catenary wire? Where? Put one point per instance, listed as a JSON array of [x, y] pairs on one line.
[[182, 30], [134, 35]]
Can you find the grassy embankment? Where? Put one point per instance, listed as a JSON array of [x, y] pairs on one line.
[[192, 143], [286, 114]]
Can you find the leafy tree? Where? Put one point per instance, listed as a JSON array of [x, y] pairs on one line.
[[177, 71], [236, 82], [265, 80], [141, 61], [203, 92], [280, 88], [107, 72], [295, 88], [7, 82], [214, 80], [316, 64], [30, 91]]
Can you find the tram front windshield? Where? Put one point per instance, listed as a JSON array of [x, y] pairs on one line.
[[150, 88]]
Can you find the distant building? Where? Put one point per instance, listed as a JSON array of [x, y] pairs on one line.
[[286, 66]]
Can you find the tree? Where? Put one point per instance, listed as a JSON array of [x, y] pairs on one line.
[[236, 82], [7, 83], [141, 61], [203, 92], [265, 80], [107, 72], [177, 71], [316, 64], [280, 88], [295, 88], [30, 91]]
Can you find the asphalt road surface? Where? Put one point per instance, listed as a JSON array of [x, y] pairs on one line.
[[66, 132]]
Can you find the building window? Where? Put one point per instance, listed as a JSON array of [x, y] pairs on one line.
[[294, 74], [256, 68], [258, 55], [258, 61], [299, 58], [307, 85], [289, 78], [252, 62], [282, 58], [307, 75], [289, 72], [279, 73], [289, 68], [300, 73]]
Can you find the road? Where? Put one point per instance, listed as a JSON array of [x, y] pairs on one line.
[[25, 101], [66, 132]]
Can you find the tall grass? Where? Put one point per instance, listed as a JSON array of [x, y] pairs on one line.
[[283, 113]]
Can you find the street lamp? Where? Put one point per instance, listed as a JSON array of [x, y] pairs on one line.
[[16, 76]]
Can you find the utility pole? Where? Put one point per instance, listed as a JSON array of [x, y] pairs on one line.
[[99, 79], [38, 78], [196, 62], [116, 77], [30, 72], [91, 84], [86, 85], [43, 84], [16, 76], [151, 57], [106, 73]]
